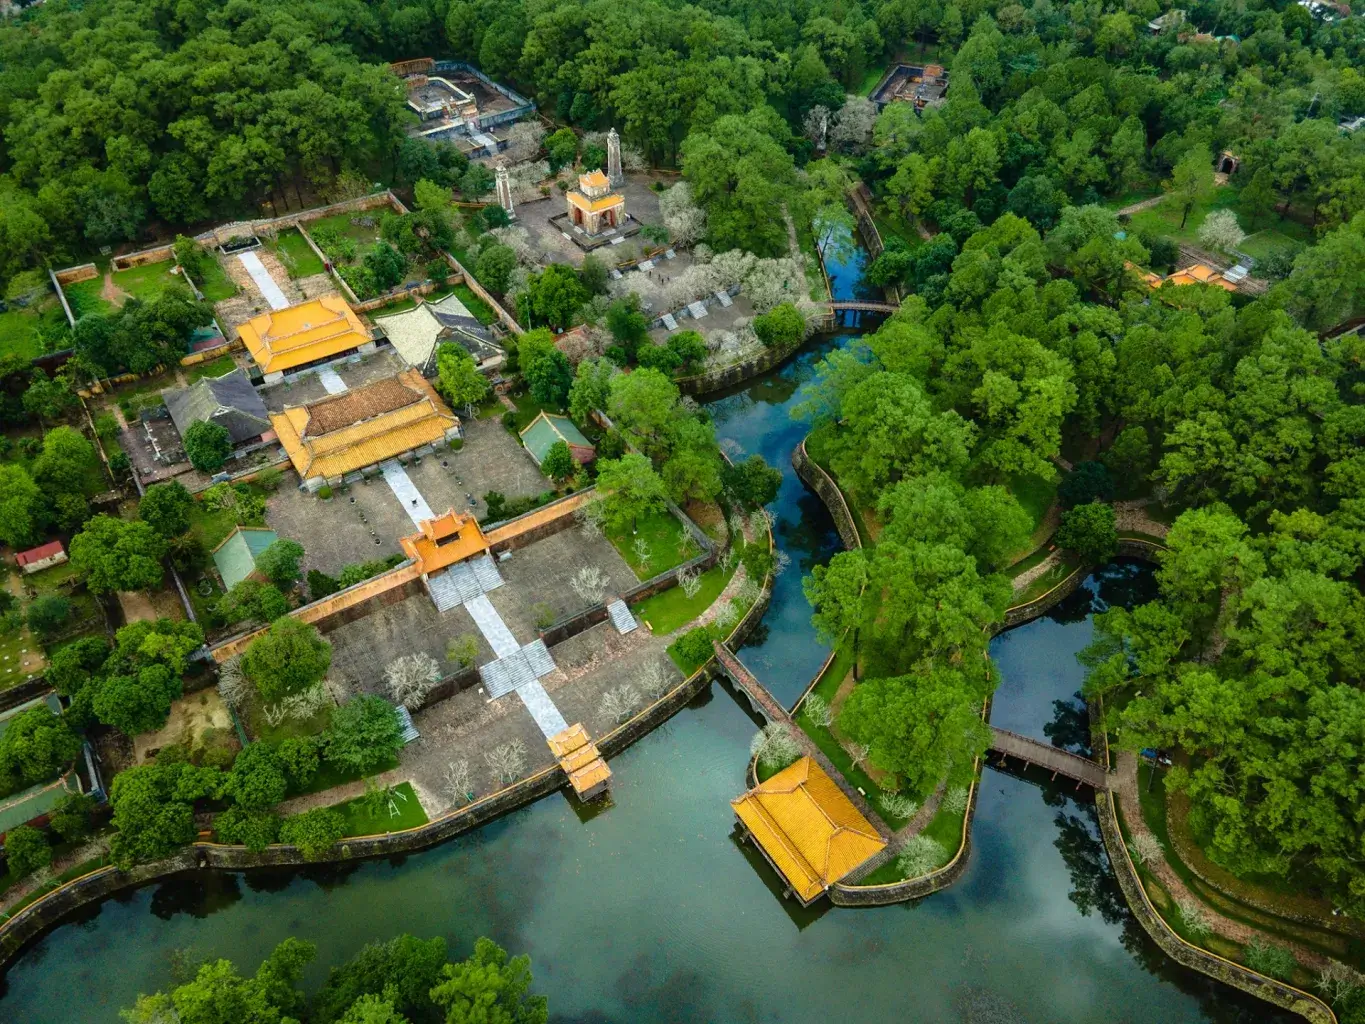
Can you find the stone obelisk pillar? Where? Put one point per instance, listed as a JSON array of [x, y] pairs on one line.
[[614, 174], [504, 192]]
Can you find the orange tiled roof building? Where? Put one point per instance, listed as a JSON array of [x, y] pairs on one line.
[[807, 828], [302, 335], [445, 540], [346, 433], [593, 206]]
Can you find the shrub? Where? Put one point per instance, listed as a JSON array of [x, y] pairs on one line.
[[1268, 958], [313, 832], [298, 756], [253, 829], [781, 326], [694, 647], [325, 491], [26, 850], [920, 855], [320, 585], [48, 614], [1087, 482], [364, 735], [207, 446]]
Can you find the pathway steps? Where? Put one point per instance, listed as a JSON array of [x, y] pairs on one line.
[[269, 289]]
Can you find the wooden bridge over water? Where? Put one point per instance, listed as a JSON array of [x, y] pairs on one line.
[[1005, 743], [1049, 758], [859, 305]]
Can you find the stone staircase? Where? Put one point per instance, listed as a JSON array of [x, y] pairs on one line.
[[621, 617]]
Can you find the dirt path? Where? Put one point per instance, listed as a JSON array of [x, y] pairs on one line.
[[1026, 577], [1132, 515], [136, 605], [111, 292], [1127, 790], [1146, 204], [21, 889]]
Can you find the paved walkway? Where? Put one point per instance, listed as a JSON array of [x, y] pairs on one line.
[[1146, 204], [1026, 577], [542, 708], [331, 381], [406, 492], [492, 627], [1126, 789], [269, 289]]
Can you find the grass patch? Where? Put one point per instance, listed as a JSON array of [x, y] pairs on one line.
[[1068, 564], [401, 306], [297, 255], [665, 537], [865, 519], [361, 820], [673, 609], [12, 646], [216, 285], [1164, 219], [19, 333], [478, 309], [329, 777], [210, 368], [869, 81], [84, 297], [1035, 494], [527, 410], [147, 281], [892, 224], [291, 728], [805, 239], [1027, 562], [213, 527]]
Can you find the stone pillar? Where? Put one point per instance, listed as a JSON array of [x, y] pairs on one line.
[[614, 159], [504, 191]]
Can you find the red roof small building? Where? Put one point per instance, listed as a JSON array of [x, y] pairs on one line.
[[41, 557]]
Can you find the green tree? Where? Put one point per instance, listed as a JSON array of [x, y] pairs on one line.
[[1086, 482], [207, 446], [555, 295], [139, 702], [21, 507], [34, 748], [562, 147], [314, 832], [299, 757], [489, 987], [593, 273], [837, 595], [49, 397], [740, 175], [924, 727], [387, 265], [48, 614], [70, 816], [403, 969], [986, 522], [753, 482], [154, 808], [558, 463], [115, 554], [459, 377], [253, 829], [549, 378], [252, 599], [279, 563], [218, 994], [166, 508], [1089, 531], [780, 327], [257, 780], [1191, 182], [71, 666], [627, 323], [66, 461], [591, 388], [629, 489], [644, 407], [364, 735], [289, 658], [494, 267], [26, 850]]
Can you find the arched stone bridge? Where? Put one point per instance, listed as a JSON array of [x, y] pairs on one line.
[[866, 307]]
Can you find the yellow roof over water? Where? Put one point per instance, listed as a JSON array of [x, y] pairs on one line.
[[358, 428], [317, 329], [807, 827]]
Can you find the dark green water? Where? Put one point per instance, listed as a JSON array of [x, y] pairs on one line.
[[651, 912]]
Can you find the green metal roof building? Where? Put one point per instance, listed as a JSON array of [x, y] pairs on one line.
[[547, 428], [236, 556]]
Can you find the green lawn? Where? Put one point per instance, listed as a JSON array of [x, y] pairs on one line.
[[1035, 494], [1263, 243], [297, 255], [84, 297], [12, 645], [216, 284], [1027, 562], [405, 811], [19, 333], [261, 729], [84, 868], [211, 368], [147, 281], [663, 613], [528, 409], [891, 224], [871, 77], [342, 222], [212, 527], [1065, 567], [479, 309], [664, 535], [1164, 219], [946, 827]]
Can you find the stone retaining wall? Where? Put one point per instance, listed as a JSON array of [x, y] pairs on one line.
[[1284, 996], [156, 254], [823, 484], [737, 373]]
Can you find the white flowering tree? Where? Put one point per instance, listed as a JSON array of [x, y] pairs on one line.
[[618, 703], [506, 762], [852, 128], [411, 677], [233, 685], [689, 580], [685, 220], [654, 679], [817, 709], [1220, 231], [523, 141], [458, 781], [775, 747], [590, 583], [920, 855]]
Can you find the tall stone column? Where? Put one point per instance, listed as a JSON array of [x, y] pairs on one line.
[[614, 159], [504, 191]]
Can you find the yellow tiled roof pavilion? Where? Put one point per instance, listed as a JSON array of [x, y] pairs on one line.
[[364, 426], [807, 828], [297, 335]]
